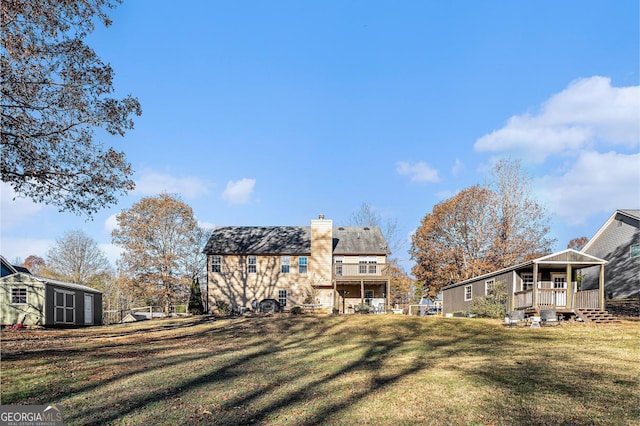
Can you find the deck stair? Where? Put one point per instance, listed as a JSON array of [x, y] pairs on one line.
[[596, 316]]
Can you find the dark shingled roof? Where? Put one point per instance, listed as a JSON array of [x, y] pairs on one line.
[[260, 240], [293, 240], [359, 240]]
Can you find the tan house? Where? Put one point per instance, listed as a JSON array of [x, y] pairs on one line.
[[320, 266]]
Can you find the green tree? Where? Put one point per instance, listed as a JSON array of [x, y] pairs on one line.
[[195, 299], [159, 236], [55, 94]]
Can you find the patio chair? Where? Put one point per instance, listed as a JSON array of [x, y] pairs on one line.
[[514, 317], [549, 317]]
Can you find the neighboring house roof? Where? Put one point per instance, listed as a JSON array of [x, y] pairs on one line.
[[562, 257], [71, 286], [7, 268], [631, 213], [293, 240]]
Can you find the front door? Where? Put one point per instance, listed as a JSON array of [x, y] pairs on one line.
[[559, 284]]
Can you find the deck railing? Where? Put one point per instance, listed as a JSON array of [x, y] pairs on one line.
[[586, 300], [359, 269], [524, 299], [551, 297]]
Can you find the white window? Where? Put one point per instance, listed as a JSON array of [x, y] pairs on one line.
[[64, 307], [467, 293], [303, 264], [18, 295], [252, 265], [216, 263], [285, 264], [338, 266], [282, 298], [559, 281], [367, 265], [488, 287], [527, 281]]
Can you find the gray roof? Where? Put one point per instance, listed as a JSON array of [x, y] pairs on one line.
[[359, 240], [631, 212], [292, 240]]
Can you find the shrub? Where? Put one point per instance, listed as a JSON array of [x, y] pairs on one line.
[[363, 308], [296, 310], [223, 307], [493, 305]]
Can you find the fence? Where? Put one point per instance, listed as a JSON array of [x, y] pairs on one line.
[[148, 312]]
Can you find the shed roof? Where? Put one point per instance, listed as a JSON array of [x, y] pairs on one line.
[[23, 277], [293, 240]]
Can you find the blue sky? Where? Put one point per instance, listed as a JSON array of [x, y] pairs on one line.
[[270, 113]]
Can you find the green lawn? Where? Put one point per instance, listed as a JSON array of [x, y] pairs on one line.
[[329, 370]]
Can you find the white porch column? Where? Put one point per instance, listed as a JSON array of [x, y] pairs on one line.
[[569, 287], [535, 286], [601, 289]]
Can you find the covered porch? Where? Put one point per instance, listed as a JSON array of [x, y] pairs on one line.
[[553, 282], [358, 285]]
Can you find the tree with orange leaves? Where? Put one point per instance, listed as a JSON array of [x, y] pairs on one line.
[[480, 230], [162, 248]]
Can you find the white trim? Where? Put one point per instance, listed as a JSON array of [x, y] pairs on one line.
[[88, 319], [470, 286], [19, 287], [542, 259], [492, 281]]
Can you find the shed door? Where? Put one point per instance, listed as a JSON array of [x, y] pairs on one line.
[[88, 309], [65, 307]]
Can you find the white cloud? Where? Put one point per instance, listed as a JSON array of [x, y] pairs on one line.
[[153, 183], [111, 223], [15, 211], [457, 167], [419, 172], [588, 112], [239, 192], [111, 251], [596, 183]]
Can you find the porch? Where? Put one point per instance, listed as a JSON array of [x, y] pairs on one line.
[[553, 282], [360, 284]]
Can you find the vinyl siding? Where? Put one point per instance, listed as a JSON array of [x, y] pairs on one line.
[[622, 273]]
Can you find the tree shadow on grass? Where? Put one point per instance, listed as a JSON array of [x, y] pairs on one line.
[[269, 370], [366, 356]]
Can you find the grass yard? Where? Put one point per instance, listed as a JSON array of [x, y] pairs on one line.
[[328, 370]]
